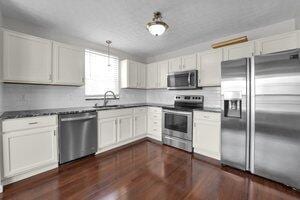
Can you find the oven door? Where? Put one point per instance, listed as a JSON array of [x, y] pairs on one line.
[[178, 124], [182, 80]]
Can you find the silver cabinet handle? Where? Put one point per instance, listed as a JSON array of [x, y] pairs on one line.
[[78, 118], [32, 123]]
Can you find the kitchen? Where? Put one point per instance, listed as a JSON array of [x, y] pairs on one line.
[[175, 110]]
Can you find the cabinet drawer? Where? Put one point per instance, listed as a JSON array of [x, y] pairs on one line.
[[114, 113], [210, 116], [154, 110], [153, 116], [140, 110], [28, 123]]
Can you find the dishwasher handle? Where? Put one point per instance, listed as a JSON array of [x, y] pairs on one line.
[[78, 118]]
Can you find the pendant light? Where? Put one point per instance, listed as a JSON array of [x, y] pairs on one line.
[[108, 42], [157, 26]]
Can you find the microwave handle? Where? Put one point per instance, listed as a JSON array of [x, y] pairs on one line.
[[189, 79]]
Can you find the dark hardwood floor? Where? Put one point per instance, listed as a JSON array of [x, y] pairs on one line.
[[146, 171]]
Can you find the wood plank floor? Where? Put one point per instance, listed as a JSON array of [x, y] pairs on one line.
[[146, 171]]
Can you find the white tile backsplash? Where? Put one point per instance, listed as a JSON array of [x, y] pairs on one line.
[[24, 97], [211, 96]]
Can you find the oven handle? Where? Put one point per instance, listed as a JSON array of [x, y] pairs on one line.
[[177, 112]]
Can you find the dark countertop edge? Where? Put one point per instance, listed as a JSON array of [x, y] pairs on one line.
[[59, 111]]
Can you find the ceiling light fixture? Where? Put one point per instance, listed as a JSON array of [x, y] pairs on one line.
[[108, 42], [157, 26]]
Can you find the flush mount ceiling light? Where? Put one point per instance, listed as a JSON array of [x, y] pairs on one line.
[[157, 26]]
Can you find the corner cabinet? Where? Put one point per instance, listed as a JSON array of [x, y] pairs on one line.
[[209, 68], [133, 74], [68, 64], [152, 79], [26, 59], [29, 146], [206, 134]]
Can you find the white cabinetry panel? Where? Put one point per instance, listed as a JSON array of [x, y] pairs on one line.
[[26, 59], [24, 151], [107, 132], [68, 64], [209, 66]]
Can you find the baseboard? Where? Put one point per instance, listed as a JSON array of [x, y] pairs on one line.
[[150, 139], [16, 178], [117, 148], [206, 159]]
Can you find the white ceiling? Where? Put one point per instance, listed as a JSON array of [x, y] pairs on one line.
[[123, 21]]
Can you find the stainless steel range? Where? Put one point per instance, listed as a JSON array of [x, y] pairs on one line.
[[178, 121]]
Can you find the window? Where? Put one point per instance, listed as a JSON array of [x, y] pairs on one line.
[[99, 77]]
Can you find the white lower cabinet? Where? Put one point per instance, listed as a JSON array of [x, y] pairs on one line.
[[125, 131], [140, 124], [27, 148], [107, 129], [155, 123], [206, 134], [120, 126]]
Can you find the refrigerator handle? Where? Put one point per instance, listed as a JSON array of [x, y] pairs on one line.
[[248, 114], [252, 113]]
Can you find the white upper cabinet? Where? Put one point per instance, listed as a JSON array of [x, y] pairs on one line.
[[189, 62], [26, 59], [152, 79], [243, 50], [278, 43], [142, 79], [133, 74], [209, 67], [175, 64], [163, 70], [68, 64]]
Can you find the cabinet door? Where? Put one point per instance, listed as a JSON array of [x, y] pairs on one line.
[[26, 59], [207, 138], [27, 150], [133, 74], [68, 64], [244, 50], [152, 80], [189, 62], [278, 43], [125, 128], [140, 124], [163, 70], [175, 64], [107, 132], [141, 75], [210, 68]]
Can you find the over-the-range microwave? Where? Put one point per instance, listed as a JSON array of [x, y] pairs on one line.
[[183, 80]]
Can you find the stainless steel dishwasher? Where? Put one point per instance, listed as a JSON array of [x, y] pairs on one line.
[[77, 135]]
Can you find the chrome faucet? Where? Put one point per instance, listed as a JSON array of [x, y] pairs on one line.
[[105, 98]]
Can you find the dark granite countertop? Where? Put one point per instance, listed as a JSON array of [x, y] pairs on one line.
[[60, 111]]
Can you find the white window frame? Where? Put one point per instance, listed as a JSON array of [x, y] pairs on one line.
[[101, 96]]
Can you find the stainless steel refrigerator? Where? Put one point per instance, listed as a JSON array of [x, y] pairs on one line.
[[261, 116]]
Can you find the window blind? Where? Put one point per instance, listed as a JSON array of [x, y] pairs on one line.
[[99, 77]]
